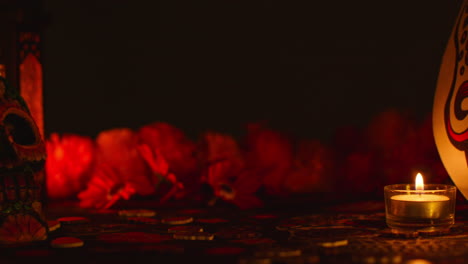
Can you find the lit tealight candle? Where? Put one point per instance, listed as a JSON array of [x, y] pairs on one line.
[[432, 205], [420, 204]]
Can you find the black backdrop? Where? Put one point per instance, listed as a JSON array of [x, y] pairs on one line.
[[305, 66]]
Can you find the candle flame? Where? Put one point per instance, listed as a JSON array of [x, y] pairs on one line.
[[419, 182]]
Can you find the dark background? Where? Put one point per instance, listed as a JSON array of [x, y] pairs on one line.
[[305, 66]]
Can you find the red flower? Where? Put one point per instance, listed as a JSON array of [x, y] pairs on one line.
[[154, 159], [216, 147], [234, 185], [270, 155], [312, 169], [174, 146], [68, 164], [357, 176], [388, 130], [160, 169], [219, 146], [403, 147], [226, 172], [223, 172], [118, 149], [106, 187], [168, 143]]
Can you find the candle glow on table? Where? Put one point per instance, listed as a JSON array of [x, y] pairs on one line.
[[424, 206]]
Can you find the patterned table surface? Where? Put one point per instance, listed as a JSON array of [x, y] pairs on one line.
[[355, 233]]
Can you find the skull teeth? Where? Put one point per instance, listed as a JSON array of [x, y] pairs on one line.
[[17, 187]]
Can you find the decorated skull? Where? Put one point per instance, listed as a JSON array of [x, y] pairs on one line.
[[22, 159]]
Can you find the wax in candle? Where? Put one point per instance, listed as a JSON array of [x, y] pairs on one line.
[[420, 197], [431, 206]]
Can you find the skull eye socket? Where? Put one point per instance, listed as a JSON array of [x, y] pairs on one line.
[[20, 129]]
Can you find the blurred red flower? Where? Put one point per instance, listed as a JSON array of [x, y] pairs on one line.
[[355, 176], [70, 159], [234, 185], [154, 159], [269, 154], [161, 142], [396, 149], [121, 162], [216, 147], [388, 130], [404, 147], [173, 145], [226, 172], [160, 168], [312, 170], [106, 187], [118, 149]]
